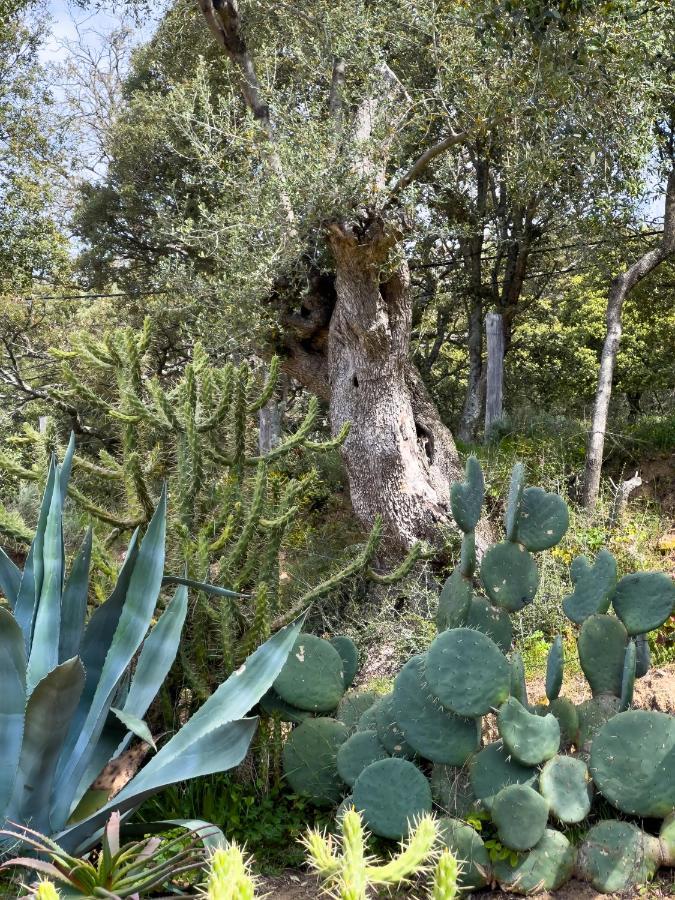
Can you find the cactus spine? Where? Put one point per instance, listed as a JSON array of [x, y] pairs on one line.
[[46, 890], [444, 886], [229, 875]]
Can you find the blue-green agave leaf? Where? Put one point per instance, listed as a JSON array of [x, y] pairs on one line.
[[12, 703], [10, 578], [135, 726], [74, 602], [67, 467]]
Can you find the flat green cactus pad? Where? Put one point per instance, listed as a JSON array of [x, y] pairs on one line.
[[310, 760], [617, 857], [467, 562], [530, 738], [313, 676], [353, 705], [510, 576], [491, 620], [594, 586], [390, 733], [513, 501], [466, 498], [453, 604], [565, 783], [492, 768], [644, 601], [628, 679], [520, 814], [633, 762], [452, 791], [272, 704], [467, 672], [545, 868], [431, 730], [543, 519], [602, 648], [642, 656], [568, 718], [555, 669], [349, 654], [391, 794], [518, 683], [466, 845], [592, 716], [358, 752], [368, 719], [667, 840]]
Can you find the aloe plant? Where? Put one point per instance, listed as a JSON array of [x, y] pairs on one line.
[[71, 695]]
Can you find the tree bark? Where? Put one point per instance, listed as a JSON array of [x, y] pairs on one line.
[[620, 288], [494, 391], [473, 398]]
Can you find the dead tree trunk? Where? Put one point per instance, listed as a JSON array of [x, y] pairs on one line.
[[620, 288], [494, 390]]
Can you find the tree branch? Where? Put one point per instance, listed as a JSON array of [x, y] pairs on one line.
[[425, 159]]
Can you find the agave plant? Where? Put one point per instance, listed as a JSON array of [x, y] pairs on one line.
[[119, 871], [71, 696]]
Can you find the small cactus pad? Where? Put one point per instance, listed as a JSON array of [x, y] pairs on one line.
[[633, 762], [513, 501], [491, 620], [518, 683], [467, 562], [555, 668], [353, 705], [391, 794], [466, 498], [592, 716], [520, 814], [617, 857], [543, 519], [565, 783], [594, 587], [390, 733], [272, 704], [467, 846], [568, 718], [368, 719], [510, 576], [430, 729], [453, 604], [310, 760], [642, 656], [492, 769], [530, 738], [357, 752], [312, 677], [667, 840], [602, 647], [545, 868], [452, 791], [644, 601], [467, 672], [349, 654], [628, 679]]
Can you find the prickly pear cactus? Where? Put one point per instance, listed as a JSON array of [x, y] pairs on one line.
[[421, 744]]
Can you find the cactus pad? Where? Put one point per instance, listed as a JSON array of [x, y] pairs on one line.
[[520, 814], [453, 604], [467, 562], [644, 601], [555, 668], [565, 783], [530, 738], [628, 678], [357, 752], [452, 791], [510, 576], [633, 762], [389, 731], [594, 587], [545, 868], [312, 677], [466, 497], [513, 501], [467, 846], [543, 519], [617, 857], [568, 718], [602, 648], [593, 714], [491, 620], [272, 704], [467, 672], [433, 732], [518, 683], [310, 760], [353, 705], [492, 769], [642, 656], [349, 654], [391, 794]]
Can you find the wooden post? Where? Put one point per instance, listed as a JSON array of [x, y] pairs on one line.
[[494, 333]]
